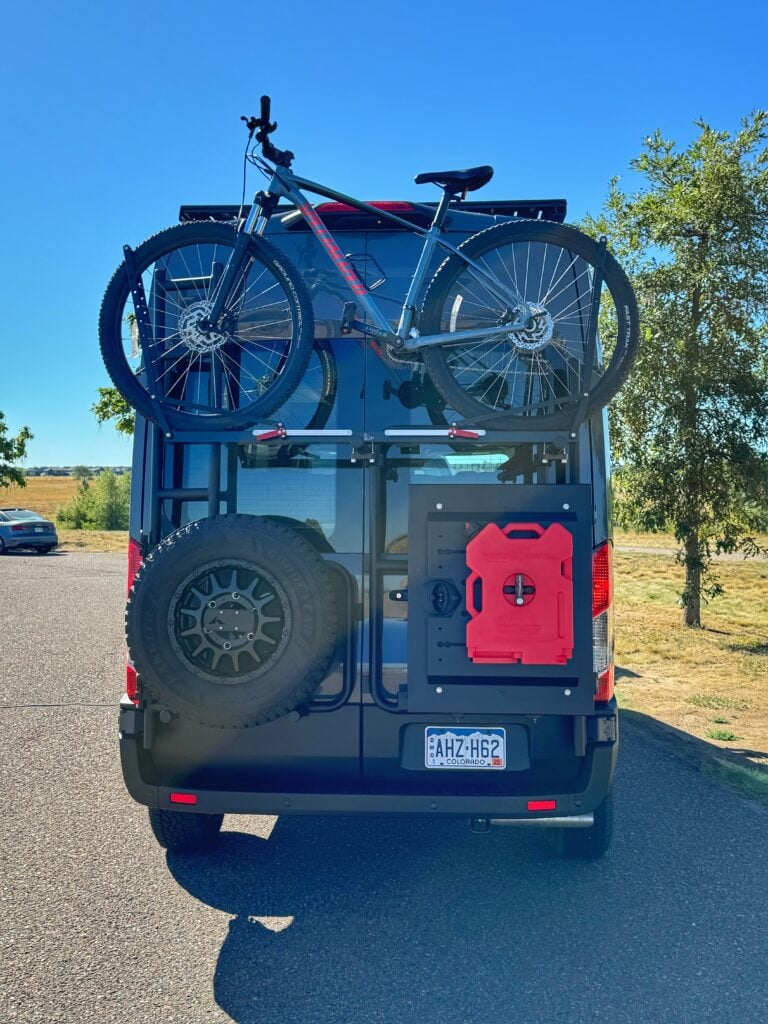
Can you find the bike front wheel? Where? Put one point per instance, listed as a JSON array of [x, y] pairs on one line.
[[536, 376], [192, 377]]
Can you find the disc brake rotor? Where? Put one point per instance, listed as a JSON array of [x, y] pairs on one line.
[[192, 336], [537, 332]]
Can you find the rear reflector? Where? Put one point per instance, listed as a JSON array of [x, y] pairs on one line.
[[392, 206], [131, 683], [134, 561], [183, 798], [542, 805]]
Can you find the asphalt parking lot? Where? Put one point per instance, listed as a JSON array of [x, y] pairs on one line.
[[339, 920]]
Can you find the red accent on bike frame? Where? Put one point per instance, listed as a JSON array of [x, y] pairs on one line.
[[539, 630], [391, 205], [324, 237]]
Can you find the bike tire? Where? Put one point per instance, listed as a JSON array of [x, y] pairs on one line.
[[242, 348], [329, 385], [530, 254]]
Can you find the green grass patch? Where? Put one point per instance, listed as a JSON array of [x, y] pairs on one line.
[[714, 703], [752, 782], [724, 735]]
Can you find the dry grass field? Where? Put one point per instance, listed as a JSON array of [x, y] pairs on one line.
[[710, 682], [43, 494], [46, 495]]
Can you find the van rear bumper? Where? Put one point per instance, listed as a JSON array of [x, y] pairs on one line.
[[595, 781]]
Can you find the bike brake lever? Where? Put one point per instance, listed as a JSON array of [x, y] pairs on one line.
[[251, 123]]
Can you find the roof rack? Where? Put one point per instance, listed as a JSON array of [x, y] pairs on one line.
[[530, 209]]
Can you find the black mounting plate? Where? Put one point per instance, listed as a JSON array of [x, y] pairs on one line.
[[441, 676]]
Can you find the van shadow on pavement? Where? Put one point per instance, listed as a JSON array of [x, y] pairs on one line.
[[358, 920]]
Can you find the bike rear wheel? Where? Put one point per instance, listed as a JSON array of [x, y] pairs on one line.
[[538, 373], [195, 379]]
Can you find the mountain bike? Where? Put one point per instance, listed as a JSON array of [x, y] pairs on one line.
[[208, 325]]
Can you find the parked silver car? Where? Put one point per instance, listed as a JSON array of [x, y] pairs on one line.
[[22, 528]]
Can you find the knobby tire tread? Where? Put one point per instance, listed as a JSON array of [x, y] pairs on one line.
[[180, 831], [117, 292], [319, 588], [548, 233]]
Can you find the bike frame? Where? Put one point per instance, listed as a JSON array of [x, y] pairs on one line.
[[285, 184]]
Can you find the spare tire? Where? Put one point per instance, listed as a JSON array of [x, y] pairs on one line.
[[231, 621]]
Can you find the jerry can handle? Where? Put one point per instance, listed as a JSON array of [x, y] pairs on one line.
[[524, 528]]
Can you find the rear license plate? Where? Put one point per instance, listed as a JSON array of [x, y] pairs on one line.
[[39, 529], [456, 746]]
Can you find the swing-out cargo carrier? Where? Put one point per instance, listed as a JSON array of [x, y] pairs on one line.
[[368, 605]]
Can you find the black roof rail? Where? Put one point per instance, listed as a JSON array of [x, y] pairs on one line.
[[530, 209]]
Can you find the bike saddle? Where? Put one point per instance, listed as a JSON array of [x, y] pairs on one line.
[[457, 181]]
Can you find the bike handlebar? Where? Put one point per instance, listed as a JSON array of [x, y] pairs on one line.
[[262, 127]]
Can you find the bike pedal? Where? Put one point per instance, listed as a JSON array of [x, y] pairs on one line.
[[347, 316]]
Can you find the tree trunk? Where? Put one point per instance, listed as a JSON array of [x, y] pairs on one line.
[[692, 592]]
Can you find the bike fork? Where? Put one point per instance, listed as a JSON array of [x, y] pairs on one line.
[[230, 279], [264, 205]]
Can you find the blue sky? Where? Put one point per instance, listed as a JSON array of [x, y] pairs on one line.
[[115, 114]]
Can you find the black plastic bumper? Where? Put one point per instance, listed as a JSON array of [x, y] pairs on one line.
[[599, 763]]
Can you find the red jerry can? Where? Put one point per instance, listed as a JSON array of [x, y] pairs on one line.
[[527, 595]]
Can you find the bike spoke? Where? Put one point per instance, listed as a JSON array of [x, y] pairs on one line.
[[538, 367]]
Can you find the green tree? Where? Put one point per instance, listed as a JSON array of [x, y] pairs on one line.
[[690, 427], [112, 406], [82, 473], [11, 450], [101, 505]]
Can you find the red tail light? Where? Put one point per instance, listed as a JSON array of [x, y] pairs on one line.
[[183, 798], [18, 529], [392, 206], [134, 561], [605, 680], [602, 580], [602, 621]]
